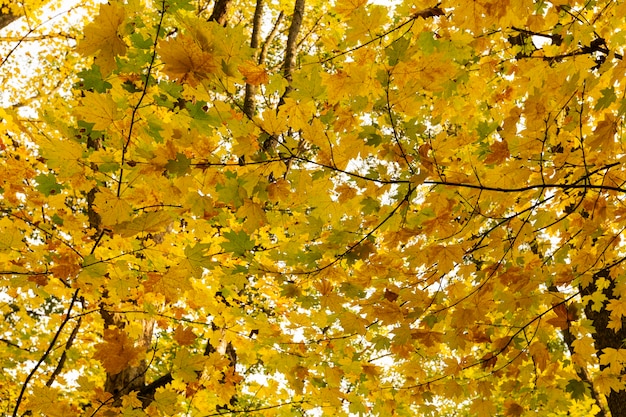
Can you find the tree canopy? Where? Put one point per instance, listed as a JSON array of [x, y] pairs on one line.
[[313, 208]]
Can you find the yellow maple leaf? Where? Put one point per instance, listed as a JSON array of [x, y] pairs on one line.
[[483, 407], [112, 209], [10, 236], [188, 366], [540, 355], [345, 8], [253, 73], [298, 112], [63, 155], [185, 61], [352, 323], [166, 401], [130, 400], [446, 256], [172, 285], [43, 397], [102, 37], [583, 350], [605, 383], [253, 214], [315, 133], [272, 123], [614, 358], [49, 402], [279, 190], [604, 134], [99, 109], [216, 362], [150, 222], [617, 307], [513, 409]]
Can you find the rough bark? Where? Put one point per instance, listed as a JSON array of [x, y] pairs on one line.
[[290, 61], [220, 11], [292, 42], [251, 90]]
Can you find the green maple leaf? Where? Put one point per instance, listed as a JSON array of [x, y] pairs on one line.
[[576, 388], [91, 79], [238, 243], [608, 97], [47, 184], [179, 166], [196, 257], [397, 50]]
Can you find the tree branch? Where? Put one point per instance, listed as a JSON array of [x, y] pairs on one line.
[[41, 360], [270, 38], [146, 394], [63, 358]]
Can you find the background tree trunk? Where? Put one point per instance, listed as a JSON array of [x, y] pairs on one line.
[[606, 337]]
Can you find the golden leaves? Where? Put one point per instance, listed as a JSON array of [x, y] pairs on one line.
[[499, 152], [446, 256], [253, 214], [617, 307], [103, 38], [253, 73], [615, 359], [604, 134], [113, 210], [188, 366], [99, 109], [63, 155], [184, 335], [171, 284], [564, 316], [272, 123], [185, 60], [117, 351], [279, 190], [397, 232], [49, 401], [10, 236]]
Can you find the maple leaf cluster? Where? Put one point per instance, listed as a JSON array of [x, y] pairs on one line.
[[314, 208]]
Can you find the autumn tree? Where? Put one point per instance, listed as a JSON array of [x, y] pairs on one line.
[[312, 208]]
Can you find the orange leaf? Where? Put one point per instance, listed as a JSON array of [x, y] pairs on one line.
[[513, 409], [184, 335], [185, 60], [253, 73], [499, 153], [117, 351], [279, 190]]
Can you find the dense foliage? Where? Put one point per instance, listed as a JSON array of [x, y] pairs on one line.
[[312, 208]]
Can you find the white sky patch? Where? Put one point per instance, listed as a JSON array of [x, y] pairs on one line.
[[31, 43]]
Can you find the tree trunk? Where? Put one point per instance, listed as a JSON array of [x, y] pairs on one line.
[[6, 19], [605, 337], [220, 11]]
